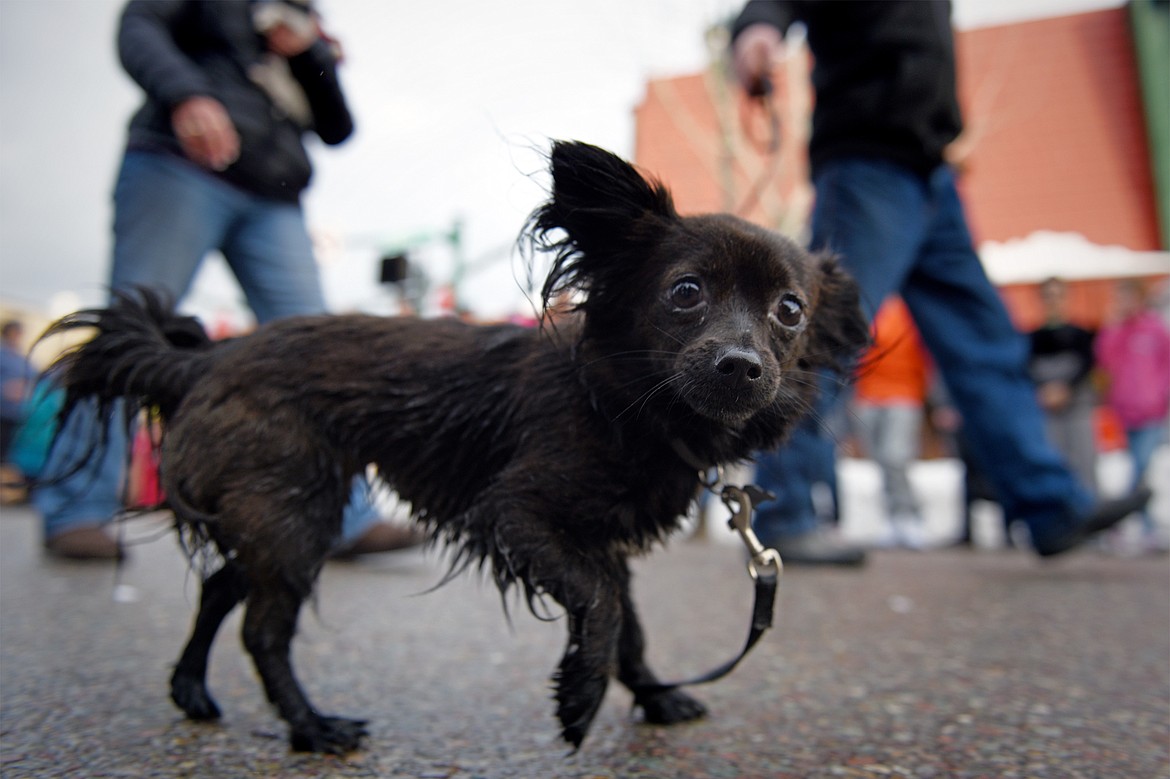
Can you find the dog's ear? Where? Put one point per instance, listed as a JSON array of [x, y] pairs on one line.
[[838, 328], [601, 215]]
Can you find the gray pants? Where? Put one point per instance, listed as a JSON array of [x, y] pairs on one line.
[[891, 435], [1072, 432]]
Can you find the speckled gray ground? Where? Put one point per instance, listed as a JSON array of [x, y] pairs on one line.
[[946, 664]]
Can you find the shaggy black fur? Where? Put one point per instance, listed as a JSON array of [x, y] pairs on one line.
[[549, 454]]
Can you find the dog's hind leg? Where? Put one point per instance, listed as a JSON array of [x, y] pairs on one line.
[[221, 592], [660, 706], [269, 624]]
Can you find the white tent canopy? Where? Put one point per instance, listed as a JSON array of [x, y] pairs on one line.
[[1070, 256]]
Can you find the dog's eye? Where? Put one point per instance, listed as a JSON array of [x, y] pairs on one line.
[[686, 294], [790, 312]]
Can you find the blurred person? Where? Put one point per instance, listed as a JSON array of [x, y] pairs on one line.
[[889, 406], [1134, 353], [886, 115], [946, 421], [214, 160], [1061, 363], [16, 378]]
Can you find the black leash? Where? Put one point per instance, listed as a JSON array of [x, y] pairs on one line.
[[764, 567]]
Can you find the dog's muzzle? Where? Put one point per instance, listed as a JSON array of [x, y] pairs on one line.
[[728, 384]]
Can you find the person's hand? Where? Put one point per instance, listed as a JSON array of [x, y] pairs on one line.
[[958, 152], [753, 55], [290, 40], [946, 419], [206, 132], [14, 390], [1054, 395]]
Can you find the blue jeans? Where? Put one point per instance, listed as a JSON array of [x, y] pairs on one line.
[[168, 215], [896, 231], [1142, 442]]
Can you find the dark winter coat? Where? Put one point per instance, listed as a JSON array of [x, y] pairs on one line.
[[884, 76], [178, 49]]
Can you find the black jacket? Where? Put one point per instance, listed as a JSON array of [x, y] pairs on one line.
[[1061, 353], [176, 49], [884, 76]]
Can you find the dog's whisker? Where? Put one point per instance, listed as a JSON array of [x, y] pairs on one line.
[[671, 336], [631, 356], [645, 397]]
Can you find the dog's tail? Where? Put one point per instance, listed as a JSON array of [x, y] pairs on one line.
[[143, 352]]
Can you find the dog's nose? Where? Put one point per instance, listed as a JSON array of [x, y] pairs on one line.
[[740, 366]]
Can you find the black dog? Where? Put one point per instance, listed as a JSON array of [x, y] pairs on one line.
[[551, 454]]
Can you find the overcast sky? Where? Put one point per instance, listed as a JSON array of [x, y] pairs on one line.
[[451, 97]]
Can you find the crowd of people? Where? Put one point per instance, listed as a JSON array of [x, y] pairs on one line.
[[1090, 383], [215, 161]]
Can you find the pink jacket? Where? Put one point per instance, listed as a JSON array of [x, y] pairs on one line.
[[1136, 355]]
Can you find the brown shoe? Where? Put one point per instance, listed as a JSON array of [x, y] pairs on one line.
[[84, 543], [13, 487], [381, 537]]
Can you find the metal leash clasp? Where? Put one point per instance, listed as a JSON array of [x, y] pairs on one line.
[[740, 501]]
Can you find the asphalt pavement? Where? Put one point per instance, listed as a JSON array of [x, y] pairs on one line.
[[937, 664]]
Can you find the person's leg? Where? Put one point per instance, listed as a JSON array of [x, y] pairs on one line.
[[872, 215], [869, 419], [8, 427], [167, 216], [1142, 442], [789, 473], [1070, 430], [982, 358], [1056, 430], [899, 448], [80, 488], [973, 488], [269, 250], [835, 429], [360, 515], [1082, 444]]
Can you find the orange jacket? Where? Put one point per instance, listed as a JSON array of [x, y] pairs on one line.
[[897, 366]]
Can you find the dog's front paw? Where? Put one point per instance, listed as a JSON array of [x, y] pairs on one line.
[[577, 707], [331, 735], [190, 694], [667, 707]]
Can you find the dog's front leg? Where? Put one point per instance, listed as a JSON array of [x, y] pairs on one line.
[[590, 657], [660, 706]]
